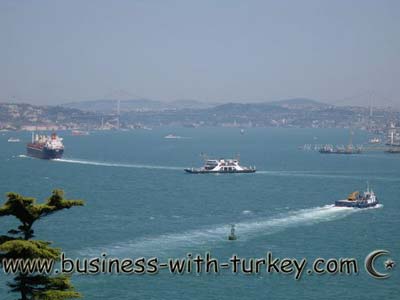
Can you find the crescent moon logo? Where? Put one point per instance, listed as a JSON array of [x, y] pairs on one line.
[[369, 264]]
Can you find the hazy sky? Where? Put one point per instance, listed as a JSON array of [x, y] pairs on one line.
[[222, 50]]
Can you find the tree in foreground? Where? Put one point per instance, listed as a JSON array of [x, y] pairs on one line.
[[19, 245]]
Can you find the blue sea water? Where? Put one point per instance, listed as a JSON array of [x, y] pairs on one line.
[[139, 202]]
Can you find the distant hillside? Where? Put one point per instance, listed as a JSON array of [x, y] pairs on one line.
[[300, 103], [138, 113], [245, 108], [110, 106], [28, 114], [272, 107]]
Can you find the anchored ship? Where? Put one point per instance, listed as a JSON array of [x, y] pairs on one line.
[[221, 166], [350, 149], [45, 147], [355, 199]]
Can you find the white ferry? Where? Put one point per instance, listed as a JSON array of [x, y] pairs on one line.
[[221, 166]]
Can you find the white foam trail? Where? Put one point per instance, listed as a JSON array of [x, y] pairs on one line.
[[245, 230], [312, 174], [119, 165]]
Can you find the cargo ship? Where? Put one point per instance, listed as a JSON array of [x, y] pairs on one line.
[[357, 200], [45, 147]]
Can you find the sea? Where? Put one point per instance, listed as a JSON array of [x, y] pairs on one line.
[[139, 202]]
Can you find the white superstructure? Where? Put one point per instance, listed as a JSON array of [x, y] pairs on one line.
[[222, 166], [52, 142]]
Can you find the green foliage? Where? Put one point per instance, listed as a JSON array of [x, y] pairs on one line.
[[54, 288], [20, 246], [5, 238], [27, 211], [28, 249], [56, 295], [45, 287]]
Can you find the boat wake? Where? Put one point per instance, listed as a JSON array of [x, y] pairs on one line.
[[246, 230], [118, 165]]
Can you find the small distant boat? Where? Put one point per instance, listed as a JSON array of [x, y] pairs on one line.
[[221, 166], [172, 136], [79, 132], [375, 140], [232, 236], [357, 200], [13, 140], [241, 131]]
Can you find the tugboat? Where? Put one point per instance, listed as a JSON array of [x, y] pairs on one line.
[[45, 147], [355, 199], [221, 166], [232, 236]]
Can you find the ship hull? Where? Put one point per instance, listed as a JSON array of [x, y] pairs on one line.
[[393, 151], [44, 153], [355, 204], [340, 152], [198, 171]]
